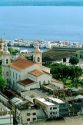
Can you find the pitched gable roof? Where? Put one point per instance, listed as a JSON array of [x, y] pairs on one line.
[[21, 64]]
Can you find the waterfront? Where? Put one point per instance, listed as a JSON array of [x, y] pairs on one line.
[[68, 121], [43, 23], [29, 49]]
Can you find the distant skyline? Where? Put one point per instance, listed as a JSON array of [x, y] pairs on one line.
[[41, 2]]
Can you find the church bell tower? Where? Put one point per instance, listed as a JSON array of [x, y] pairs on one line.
[[37, 55]]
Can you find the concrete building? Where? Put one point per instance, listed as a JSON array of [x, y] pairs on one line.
[[6, 116], [53, 107]]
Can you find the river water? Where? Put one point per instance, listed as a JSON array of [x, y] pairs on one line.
[[41, 22], [67, 121]]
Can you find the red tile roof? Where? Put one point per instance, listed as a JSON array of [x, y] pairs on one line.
[[36, 72], [21, 64], [26, 82]]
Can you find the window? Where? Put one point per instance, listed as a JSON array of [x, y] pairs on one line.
[[54, 107], [34, 113], [6, 61], [38, 59], [28, 114], [50, 113], [50, 108], [16, 75], [28, 119], [34, 119]]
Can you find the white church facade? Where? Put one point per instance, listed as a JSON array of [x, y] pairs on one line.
[[23, 74]]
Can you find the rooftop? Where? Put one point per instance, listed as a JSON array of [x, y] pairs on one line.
[[36, 73], [56, 100], [3, 108], [9, 94], [21, 64], [16, 100], [45, 102], [79, 97], [26, 82]]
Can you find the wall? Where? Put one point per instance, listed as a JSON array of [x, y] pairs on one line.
[[6, 120], [26, 116], [27, 87], [44, 77]]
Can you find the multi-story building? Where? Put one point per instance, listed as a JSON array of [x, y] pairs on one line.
[[6, 116], [53, 107]]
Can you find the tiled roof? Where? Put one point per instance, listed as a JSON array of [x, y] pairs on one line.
[[26, 82], [36, 72], [21, 64]]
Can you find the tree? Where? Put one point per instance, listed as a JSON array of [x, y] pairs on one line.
[[74, 60], [68, 74], [3, 83], [14, 51]]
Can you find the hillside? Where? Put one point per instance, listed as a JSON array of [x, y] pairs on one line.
[[54, 54]]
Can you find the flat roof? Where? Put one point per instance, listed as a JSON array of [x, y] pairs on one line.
[[36, 72], [26, 82], [45, 102], [56, 100], [16, 100], [9, 94]]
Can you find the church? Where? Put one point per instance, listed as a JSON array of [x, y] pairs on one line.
[[23, 74]]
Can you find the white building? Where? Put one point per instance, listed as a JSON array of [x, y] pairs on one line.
[[6, 116], [33, 73], [21, 70], [53, 107]]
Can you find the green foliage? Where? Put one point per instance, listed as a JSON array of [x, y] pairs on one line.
[[68, 74], [74, 60], [3, 84], [54, 54], [61, 71], [0, 70], [13, 51]]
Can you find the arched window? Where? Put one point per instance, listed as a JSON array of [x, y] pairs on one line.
[[38, 59], [6, 61]]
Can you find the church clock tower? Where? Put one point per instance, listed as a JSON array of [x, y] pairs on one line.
[[6, 60], [37, 55]]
